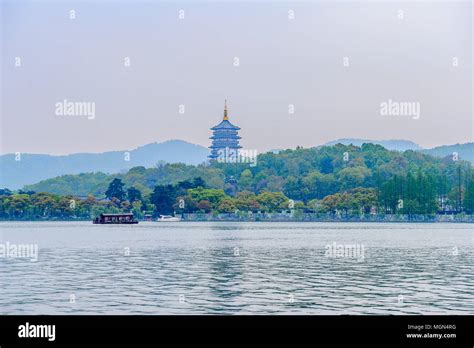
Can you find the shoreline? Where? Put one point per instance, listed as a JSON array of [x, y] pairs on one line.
[[235, 221]]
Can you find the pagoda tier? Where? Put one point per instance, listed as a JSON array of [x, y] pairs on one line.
[[225, 137]]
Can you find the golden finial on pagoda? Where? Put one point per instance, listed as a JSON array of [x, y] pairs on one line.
[[225, 110]]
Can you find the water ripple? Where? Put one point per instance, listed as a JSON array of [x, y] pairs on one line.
[[239, 268]]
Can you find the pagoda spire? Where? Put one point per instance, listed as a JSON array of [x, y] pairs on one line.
[[226, 118]]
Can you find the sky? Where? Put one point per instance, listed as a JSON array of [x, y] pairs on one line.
[[293, 73]]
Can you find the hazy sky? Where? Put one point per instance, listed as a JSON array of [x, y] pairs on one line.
[[191, 61]]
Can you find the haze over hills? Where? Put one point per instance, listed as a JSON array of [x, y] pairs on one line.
[[33, 168], [465, 151]]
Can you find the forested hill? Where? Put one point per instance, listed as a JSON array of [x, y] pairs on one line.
[[301, 174], [394, 144], [30, 169]]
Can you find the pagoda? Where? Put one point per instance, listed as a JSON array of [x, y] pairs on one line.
[[225, 141]]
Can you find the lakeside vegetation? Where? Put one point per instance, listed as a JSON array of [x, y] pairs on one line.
[[336, 180]]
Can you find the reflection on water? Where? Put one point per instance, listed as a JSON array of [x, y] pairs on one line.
[[241, 268]]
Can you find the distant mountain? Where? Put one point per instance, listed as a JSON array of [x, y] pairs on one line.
[[33, 168], [464, 151], [396, 144]]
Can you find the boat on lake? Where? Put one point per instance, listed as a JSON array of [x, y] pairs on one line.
[[126, 218], [168, 218]]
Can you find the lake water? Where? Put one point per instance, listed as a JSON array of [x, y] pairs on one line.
[[239, 268]]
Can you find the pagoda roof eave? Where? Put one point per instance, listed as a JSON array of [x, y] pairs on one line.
[[225, 124], [233, 137], [229, 147]]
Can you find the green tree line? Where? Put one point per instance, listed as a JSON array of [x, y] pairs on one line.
[[335, 179]]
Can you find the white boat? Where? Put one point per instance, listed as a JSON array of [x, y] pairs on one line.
[[168, 218]]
